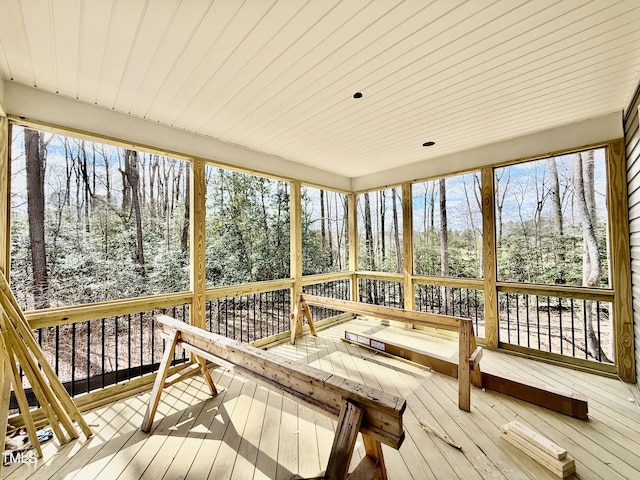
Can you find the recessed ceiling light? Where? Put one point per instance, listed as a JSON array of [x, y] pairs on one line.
[[357, 95], [428, 144]]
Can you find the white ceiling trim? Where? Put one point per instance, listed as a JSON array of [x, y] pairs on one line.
[[575, 135], [40, 106]]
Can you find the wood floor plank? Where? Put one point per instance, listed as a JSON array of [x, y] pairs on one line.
[[208, 447], [188, 449], [172, 442], [288, 441], [245, 464], [267, 461], [226, 456], [251, 432]]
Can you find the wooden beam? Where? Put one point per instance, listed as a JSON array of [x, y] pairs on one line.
[[161, 378], [197, 249], [563, 291], [408, 316], [562, 401], [321, 391], [52, 317], [352, 213], [522, 440], [5, 395], [464, 374], [295, 260], [620, 259], [5, 194], [407, 244], [344, 441], [435, 362], [489, 260]]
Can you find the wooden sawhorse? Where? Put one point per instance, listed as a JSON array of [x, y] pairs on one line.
[[357, 408]]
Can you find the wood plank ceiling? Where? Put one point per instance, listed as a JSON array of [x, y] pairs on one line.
[[279, 76]]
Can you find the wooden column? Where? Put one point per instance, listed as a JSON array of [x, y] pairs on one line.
[[198, 279], [489, 260], [407, 248], [295, 246], [353, 244], [620, 260], [5, 194]]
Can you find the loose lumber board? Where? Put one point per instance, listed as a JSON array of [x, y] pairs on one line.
[[563, 401], [518, 436]]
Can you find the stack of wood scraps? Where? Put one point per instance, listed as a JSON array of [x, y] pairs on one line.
[[539, 448], [18, 349]]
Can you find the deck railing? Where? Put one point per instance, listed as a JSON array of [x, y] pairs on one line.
[[381, 289], [250, 317], [465, 302], [339, 288], [577, 326], [95, 346]]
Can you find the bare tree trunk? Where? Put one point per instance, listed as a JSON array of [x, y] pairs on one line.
[[184, 241], [368, 235], [396, 231], [107, 176], [500, 198], [323, 233], [558, 227], [35, 167], [133, 177], [126, 188], [383, 248], [583, 185], [444, 240]]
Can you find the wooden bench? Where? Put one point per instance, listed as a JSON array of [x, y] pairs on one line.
[[356, 407], [468, 368]]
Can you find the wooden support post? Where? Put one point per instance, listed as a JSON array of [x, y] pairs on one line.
[[489, 259], [161, 377], [464, 379], [295, 260], [620, 255], [352, 213], [197, 249], [344, 440], [5, 190], [407, 251]]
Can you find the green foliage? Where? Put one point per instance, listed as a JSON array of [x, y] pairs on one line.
[[247, 228]]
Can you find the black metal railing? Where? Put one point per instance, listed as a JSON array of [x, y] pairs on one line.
[[91, 355], [250, 317], [454, 301], [338, 289], [388, 293], [566, 326]]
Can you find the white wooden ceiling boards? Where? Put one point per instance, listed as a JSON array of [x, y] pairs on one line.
[[278, 77]]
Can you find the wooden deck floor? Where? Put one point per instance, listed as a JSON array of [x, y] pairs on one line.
[[250, 432]]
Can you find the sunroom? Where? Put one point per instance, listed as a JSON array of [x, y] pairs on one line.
[[301, 176]]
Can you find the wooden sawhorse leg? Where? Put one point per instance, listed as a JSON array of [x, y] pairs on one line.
[[162, 381], [372, 466]]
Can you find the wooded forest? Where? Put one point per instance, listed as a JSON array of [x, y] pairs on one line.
[[93, 222]]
